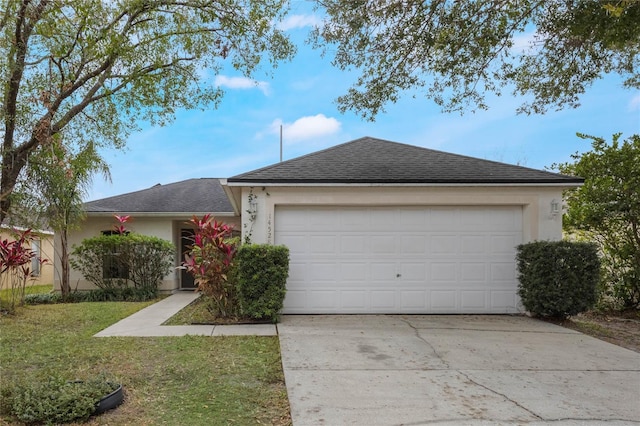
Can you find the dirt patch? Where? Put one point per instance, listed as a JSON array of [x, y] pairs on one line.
[[619, 328]]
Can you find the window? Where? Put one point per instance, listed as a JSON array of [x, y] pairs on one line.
[[35, 260], [112, 266]]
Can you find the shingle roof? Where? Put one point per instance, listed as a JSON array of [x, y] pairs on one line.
[[371, 160], [188, 196]]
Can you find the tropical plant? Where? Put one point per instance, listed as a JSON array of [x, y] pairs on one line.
[[15, 266], [210, 261]]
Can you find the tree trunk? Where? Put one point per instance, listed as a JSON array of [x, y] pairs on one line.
[[65, 287]]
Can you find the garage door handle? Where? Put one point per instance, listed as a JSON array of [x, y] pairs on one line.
[[398, 275]]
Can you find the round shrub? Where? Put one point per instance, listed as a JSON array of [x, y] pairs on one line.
[[558, 279]]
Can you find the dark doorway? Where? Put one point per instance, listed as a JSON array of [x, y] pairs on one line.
[[186, 240]]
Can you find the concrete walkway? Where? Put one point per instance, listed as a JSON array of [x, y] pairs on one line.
[[383, 370], [148, 322]]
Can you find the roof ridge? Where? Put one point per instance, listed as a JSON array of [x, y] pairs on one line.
[[369, 159]]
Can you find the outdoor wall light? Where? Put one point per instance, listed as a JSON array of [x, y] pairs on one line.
[[555, 207]]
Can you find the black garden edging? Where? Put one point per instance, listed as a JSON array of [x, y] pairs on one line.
[[110, 401]]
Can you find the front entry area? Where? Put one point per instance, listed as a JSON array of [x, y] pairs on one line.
[[186, 239], [400, 259]]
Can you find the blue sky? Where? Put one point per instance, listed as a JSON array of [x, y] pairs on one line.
[[242, 134]]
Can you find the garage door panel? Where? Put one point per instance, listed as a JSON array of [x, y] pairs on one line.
[[383, 271], [413, 271], [410, 219], [383, 300], [354, 300], [503, 272], [473, 272], [444, 244], [442, 218], [473, 300], [383, 244], [444, 272], [353, 219], [473, 245], [503, 244], [298, 271], [443, 300], [352, 273], [353, 244], [400, 259], [322, 271], [412, 300], [296, 300], [322, 299], [323, 244], [503, 301], [413, 244], [296, 243]]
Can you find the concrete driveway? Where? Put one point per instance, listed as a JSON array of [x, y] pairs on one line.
[[453, 370]]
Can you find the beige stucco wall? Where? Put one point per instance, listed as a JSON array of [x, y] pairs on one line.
[[538, 222], [46, 239], [167, 228]]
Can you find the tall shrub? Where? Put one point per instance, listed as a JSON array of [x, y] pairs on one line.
[[94, 256], [262, 272], [140, 261], [558, 278], [210, 261], [606, 210]]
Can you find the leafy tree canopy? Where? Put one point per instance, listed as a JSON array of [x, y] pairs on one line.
[[94, 68], [455, 52], [607, 209]]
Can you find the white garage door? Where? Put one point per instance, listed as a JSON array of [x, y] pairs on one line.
[[400, 259]]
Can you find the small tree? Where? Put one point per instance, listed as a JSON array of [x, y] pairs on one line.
[[59, 180], [210, 261], [606, 209]]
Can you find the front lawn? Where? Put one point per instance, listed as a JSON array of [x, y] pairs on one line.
[[6, 293], [167, 380]]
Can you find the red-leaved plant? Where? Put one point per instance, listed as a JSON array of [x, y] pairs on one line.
[[15, 266], [210, 260], [120, 228]]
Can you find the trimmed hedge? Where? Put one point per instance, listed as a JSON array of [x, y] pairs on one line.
[[261, 274], [558, 279]]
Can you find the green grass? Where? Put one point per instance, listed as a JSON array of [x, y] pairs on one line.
[[194, 313], [5, 294], [167, 380]]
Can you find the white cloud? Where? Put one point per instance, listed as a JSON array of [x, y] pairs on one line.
[[524, 43], [242, 83], [634, 103], [305, 128], [299, 21]]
